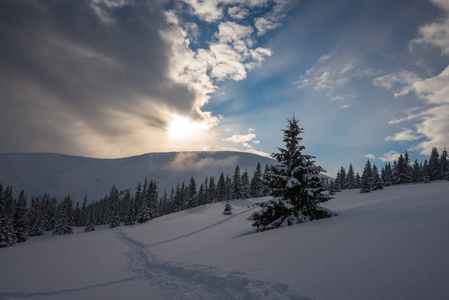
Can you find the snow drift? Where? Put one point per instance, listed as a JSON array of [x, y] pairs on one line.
[[387, 244]]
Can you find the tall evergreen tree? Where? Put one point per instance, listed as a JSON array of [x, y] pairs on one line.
[[367, 178], [212, 191], [130, 214], [221, 189], [7, 234], [434, 165], [256, 186], [20, 222], [377, 182], [444, 164], [35, 218], [245, 185], [201, 195], [416, 172], [237, 186], [114, 217], [64, 217], [350, 178], [295, 183], [90, 219], [266, 181], [342, 178], [192, 200]]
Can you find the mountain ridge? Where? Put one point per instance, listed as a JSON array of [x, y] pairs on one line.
[[60, 174]]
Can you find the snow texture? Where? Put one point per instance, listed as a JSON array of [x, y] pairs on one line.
[[387, 244]]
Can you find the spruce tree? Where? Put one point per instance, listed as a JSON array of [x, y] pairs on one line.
[[228, 209], [416, 172], [367, 179], [377, 182], [237, 185], [130, 215], [295, 184], [256, 186], [90, 219], [434, 165], [192, 200], [114, 217], [350, 178], [221, 189], [212, 191], [7, 234], [20, 222], [444, 165], [35, 218], [64, 217], [245, 185]]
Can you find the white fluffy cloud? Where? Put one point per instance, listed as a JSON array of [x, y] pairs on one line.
[[272, 19], [432, 119], [243, 139], [435, 33], [404, 135], [390, 156]]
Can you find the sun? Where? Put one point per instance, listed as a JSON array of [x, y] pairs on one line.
[[181, 128]]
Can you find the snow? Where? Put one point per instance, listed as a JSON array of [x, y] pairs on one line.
[[387, 244]]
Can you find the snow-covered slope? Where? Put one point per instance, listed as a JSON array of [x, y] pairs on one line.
[[61, 175], [388, 244]]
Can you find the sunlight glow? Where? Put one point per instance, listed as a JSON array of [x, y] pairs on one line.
[[181, 128]]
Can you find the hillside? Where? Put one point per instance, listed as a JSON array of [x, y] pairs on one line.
[[61, 175], [387, 244]]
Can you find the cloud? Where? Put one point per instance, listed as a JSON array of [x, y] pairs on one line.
[[404, 135], [370, 156], [435, 33], [86, 78], [332, 71], [243, 139], [237, 12], [432, 120], [272, 19], [390, 156], [345, 106], [104, 78], [399, 82], [185, 161]]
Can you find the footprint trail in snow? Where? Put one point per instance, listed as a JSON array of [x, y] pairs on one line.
[[179, 281]]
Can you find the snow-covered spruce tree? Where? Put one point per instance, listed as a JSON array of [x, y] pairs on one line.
[[444, 164], [7, 234], [228, 208], [113, 215], [90, 219], [256, 186], [64, 217], [350, 178], [20, 223], [367, 182], [377, 182], [295, 184], [237, 185]]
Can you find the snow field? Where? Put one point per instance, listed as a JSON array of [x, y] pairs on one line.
[[387, 244]]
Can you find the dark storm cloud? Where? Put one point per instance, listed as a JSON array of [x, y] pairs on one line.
[[78, 66]]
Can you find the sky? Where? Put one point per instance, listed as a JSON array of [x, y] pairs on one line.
[[116, 78]]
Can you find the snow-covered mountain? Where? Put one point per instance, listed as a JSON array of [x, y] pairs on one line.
[[61, 175], [388, 244]]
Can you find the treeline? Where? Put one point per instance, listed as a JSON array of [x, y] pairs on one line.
[[401, 171], [20, 219]]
